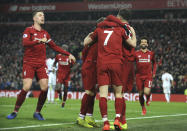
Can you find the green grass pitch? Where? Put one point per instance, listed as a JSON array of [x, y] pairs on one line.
[[160, 116]]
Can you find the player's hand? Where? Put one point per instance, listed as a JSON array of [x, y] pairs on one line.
[[90, 34], [132, 31], [44, 40], [72, 59]]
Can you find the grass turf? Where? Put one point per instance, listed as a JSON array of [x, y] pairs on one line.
[[160, 116]]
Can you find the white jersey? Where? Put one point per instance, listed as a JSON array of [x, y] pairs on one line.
[[51, 71], [166, 80]]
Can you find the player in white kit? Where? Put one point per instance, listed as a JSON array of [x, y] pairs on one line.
[[51, 80], [167, 83]]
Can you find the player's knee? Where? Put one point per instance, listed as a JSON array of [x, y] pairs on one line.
[[141, 93], [146, 93], [27, 84], [102, 94], [88, 92], [118, 94], [26, 88], [44, 84]]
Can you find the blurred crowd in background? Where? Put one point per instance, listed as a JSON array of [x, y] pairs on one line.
[[168, 39]]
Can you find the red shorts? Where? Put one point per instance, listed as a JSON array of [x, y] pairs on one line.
[[110, 74], [142, 82], [29, 71], [128, 76], [63, 78], [89, 76]]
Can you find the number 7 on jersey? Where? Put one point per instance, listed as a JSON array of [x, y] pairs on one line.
[[108, 36]]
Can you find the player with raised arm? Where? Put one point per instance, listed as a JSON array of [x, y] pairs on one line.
[[89, 79], [145, 72], [167, 83], [63, 74], [109, 36], [34, 42]]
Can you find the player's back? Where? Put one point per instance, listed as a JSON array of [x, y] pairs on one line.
[[110, 45], [144, 62]]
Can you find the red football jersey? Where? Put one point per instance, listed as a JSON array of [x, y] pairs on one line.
[[90, 53], [35, 52], [63, 63], [144, 62], [109, 37]]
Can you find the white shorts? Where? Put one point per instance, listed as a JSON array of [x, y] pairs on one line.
[[51, 79]]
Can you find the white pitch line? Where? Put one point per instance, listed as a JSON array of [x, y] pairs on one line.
[[35, 126], [46, 125]]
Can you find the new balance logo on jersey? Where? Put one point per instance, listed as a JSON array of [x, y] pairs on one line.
[[35, 34], [139, 56]]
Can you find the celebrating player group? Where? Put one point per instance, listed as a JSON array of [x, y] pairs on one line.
[[108, 62]]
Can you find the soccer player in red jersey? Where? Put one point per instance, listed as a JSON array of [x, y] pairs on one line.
[[34, 42], [109, 36], [146, 69], [128, 63], [89, 78], [63, 74]]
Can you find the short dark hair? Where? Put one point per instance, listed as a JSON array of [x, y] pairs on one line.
[[145, 38], [36, 11], [125, 14]]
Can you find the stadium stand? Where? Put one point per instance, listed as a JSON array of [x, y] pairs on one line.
[[167, 39]]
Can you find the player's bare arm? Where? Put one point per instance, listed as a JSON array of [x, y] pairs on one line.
[[132, 41], [88, 40]]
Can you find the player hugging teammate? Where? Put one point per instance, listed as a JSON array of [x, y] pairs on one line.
[[109, 36]]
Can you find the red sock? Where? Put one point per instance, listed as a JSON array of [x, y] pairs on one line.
[[123, 114], [118, 107], [91, 105], [20, 99], [103, 106], [106, 123], [84, 104], [148, 97], [59, 94], [41, 100], [141, 100], [65, 93]]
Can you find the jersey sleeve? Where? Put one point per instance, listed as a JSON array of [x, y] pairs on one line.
[[125, 35], [171, 77], [84, 53], [52, 45], [47, 63], [162, 77], [154, 63], [26, 41], [94, 35]]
